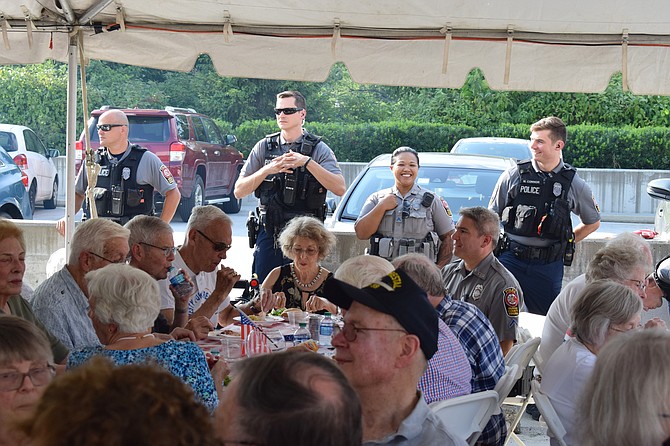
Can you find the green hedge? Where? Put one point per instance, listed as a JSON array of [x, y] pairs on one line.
[[588, 145]]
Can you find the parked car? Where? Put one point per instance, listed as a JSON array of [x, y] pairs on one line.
[[203, 161], [35, 160], [14, 202], [508, 147], [461, 180], [660, 189]]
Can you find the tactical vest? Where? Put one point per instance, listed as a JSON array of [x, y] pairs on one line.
[[540, 208], [117, 194], [405, 230], [287, 195]]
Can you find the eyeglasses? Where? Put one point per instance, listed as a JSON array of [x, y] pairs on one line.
[[405, 209], [121, 260], [166, 250], [108, 127], [287, 111], [39, 376], [638, 327], [639, 283], [350, 331], [309, 252], [218, 246]]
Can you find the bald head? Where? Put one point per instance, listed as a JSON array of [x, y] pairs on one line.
[[113, 117]]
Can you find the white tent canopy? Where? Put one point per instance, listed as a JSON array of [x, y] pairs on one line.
[[518, 44]]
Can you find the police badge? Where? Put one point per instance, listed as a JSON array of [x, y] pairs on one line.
[[477, 292], [125, 173], [557, 189]]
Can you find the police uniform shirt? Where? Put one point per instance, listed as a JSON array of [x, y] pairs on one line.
[[420, 221], [580, 199], [150, 171], [321, 154], [491, 288]]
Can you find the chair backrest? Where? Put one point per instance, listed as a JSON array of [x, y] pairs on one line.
[[506, 382], [466, 416], [548, 413], [522, 355]]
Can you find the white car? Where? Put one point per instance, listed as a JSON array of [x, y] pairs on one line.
[[40, 176], [462, 180]]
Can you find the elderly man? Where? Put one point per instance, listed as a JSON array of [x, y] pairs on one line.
[[61, 301], [152, 250], [390, 333], [209, 234], [479, 278], [473, 330], [625, 259], [448, 374], [291, 398]]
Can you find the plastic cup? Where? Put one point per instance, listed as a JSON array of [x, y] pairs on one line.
[[292, 318], [231, 348]]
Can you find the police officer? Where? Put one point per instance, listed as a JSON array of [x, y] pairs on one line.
[[290, 172], [479, 278], [534, 201], [128, 176], [406, 218]]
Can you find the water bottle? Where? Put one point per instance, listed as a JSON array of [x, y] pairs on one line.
[[179, 282], [326, 331], [301, 334]]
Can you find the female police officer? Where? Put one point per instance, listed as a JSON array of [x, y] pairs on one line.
[[406, 218]]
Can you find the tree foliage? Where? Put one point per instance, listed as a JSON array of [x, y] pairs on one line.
[[359, 120]]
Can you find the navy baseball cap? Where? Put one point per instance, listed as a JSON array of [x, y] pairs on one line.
[[662, 276], [397, 295]]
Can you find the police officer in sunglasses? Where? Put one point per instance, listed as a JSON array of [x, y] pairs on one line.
[[290, 172], [128, 176]]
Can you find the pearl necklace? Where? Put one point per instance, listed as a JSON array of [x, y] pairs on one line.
[[305, 285]]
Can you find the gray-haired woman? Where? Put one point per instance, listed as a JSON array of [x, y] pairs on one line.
[[299, 284], [603, 310], [124, 303]]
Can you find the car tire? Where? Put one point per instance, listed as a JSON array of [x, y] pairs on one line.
[[32, 195], [235, 204], [53, 201], [197, 198]]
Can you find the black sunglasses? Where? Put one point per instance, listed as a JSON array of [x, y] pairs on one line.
[[287, 111], [218, 246], [108, 127]]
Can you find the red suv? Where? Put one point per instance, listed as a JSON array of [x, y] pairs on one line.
[[202, 160]]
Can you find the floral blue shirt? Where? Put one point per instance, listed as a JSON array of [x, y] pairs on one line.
[[185, 360]]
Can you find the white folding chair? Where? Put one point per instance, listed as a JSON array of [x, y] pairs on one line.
[[466, 416], [521, 358], [548, 413], [505, 383]]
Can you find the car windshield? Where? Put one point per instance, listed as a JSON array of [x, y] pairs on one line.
[[460, 187], [143, 129], [514, 150]]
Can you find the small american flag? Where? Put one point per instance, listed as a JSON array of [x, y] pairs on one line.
[[246, 325]]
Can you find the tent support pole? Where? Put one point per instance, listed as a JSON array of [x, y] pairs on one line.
[[71, 138]]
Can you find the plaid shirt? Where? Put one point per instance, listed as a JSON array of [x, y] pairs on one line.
[[482, 348], [449, 373]]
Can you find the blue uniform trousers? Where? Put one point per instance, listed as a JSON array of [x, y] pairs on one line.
[[541, 282]]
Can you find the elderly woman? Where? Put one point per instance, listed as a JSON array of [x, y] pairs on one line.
[[26, 367], [406, 217], [603, 310], [627, 399], [139, 404], [124, 303], [299, 284], [12, 268]]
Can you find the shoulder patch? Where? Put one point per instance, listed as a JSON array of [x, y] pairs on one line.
[[167, 174], [511, 301], [446, 206]]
